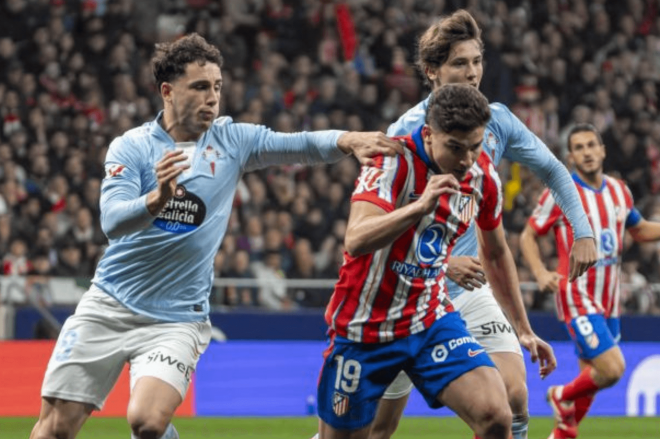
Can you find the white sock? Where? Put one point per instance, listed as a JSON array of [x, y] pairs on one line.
[[520, 426], [170, 433]]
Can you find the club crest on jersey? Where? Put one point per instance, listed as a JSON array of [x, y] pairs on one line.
[[340, 404], [607, 241], [210, 155], [466, 208], [592, 340], [114, 170], [431, 244], [369, 180], [491, 142]]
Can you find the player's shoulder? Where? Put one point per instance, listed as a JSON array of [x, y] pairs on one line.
[[500, 116], [133, 140], [409, 120]]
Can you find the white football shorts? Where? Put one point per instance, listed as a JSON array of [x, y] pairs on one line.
[[103, 335], [485, 321]]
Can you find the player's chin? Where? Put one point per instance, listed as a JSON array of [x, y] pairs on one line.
[[460, 175]]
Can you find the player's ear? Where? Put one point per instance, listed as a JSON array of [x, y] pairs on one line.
[[426, 132], [166, 91]]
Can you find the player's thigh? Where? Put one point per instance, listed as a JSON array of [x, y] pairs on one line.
[[448, 352], [353, 379], [89, 354], [477, 396], [168, 354]]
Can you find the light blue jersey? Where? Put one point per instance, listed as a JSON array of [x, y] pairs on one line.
[[506, 136], [163, 267]]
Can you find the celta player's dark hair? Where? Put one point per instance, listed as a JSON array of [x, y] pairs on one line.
[[435, 43], [458, 107], [170, 59], [581, 128]]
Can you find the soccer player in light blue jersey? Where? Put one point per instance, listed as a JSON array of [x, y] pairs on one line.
[[450, 51], [165, 212]]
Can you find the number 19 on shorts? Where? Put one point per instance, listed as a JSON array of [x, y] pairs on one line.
[[348, 374]]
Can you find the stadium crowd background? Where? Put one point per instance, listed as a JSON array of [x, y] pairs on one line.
[[75, 73]]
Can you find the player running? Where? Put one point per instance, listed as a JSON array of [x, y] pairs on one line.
[[390, 311], [451, 51], [149, 302], [589, 305]]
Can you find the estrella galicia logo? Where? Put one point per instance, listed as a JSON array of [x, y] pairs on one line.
[[430, 246], [183, 213], [607, 241]]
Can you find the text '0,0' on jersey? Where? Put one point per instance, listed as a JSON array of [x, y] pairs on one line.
[[610, 210], [399, 289]]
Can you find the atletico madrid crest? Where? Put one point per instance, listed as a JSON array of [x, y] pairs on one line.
[[340, 404]]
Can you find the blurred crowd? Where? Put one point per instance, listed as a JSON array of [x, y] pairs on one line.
[[75, 73]]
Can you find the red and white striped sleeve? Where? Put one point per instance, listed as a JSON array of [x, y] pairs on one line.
[[381, 183], [546, 213]]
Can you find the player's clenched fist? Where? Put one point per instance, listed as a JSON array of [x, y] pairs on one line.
[[436, 186]]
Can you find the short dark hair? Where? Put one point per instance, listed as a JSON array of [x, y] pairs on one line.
[[581, 128], [457, 107], [170, 59], [435, 43]]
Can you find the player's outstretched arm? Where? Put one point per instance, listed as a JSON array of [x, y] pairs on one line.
[[366, 145], [371, 228], [548, 281], [501, 271], [645, 231]]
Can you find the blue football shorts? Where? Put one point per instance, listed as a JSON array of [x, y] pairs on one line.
[[593, 334], [355, 375]]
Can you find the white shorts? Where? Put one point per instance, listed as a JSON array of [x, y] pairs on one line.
[[103, 335], [487, 324]]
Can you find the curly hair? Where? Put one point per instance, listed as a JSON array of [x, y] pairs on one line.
[[458, 107], [435, 43], [170, 59]]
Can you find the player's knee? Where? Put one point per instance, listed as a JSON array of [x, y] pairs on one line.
[[494, 421], [384, 428], [611, 374], [52, 427], [148, 424], [517, 395]]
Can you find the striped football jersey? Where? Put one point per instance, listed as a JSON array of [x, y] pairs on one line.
[[399, 289]]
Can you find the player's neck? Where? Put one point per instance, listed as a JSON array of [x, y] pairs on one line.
[[593, 179], [169, 123]]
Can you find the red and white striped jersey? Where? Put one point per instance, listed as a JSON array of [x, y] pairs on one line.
[[610, 210], [399, 289]]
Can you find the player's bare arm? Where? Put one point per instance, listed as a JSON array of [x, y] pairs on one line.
[[366, 145], [583, 256], [167, 172], [547, 280], [371, 228], [500, 269], [466, 271], [645, 231]]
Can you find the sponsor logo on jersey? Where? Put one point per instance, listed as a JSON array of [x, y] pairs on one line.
[[441, 351], [410, 270], [183, 213], [472, 353], [431, 244], [607, 241], [114, 170], [340, 404]]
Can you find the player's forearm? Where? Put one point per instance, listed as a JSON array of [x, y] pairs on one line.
[[501, 272], [377, 231], [531, 252], [123, 217], [563, 189]]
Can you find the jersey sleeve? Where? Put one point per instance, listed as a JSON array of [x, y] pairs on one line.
[[490, 210], [634, 216], [260, 147], [546, 213], [525, 147], [381, 184], [123, 204]]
